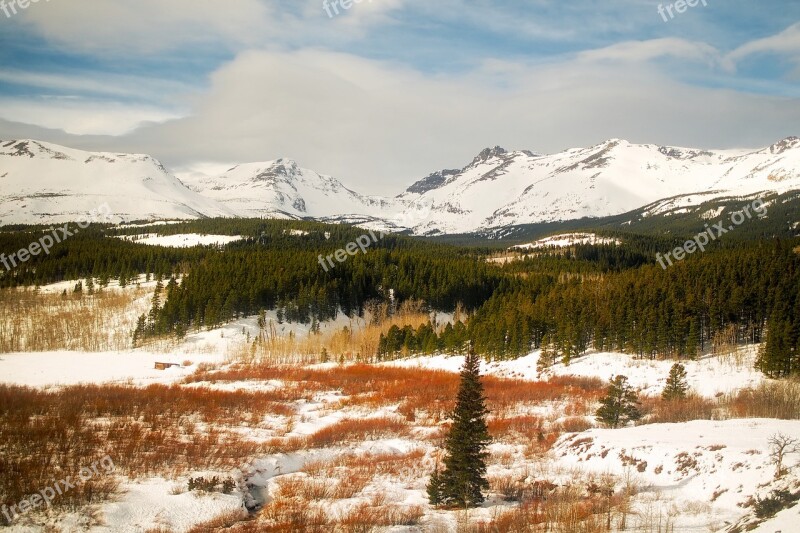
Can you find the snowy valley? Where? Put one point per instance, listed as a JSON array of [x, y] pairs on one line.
[[350, 445]]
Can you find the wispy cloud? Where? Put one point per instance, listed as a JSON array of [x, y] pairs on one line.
[[149, 26], [84, 83], [641, 51], [785, 43], [80, 117]]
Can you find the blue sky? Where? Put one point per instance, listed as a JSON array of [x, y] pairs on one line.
[[390, 90]]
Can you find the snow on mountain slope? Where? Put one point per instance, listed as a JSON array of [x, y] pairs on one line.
[[502, 188], [282, 189], [46, 183], [566, 239], [43, 183]]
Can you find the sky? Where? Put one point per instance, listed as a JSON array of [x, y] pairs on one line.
[[380, 93]]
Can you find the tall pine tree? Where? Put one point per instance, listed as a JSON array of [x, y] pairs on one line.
[[463, 479]]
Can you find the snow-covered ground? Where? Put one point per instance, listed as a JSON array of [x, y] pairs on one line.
[[183, 240], [564, 240], [695, 476], [71, 368], [61, 286], [156, 503], [708, 376]]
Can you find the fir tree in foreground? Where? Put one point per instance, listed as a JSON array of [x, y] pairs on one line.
[[620, 405], [676, 387], [463, 479]]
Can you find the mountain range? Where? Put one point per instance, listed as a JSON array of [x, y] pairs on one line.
[[43, 183]]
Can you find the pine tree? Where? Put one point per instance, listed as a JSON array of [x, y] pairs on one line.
[[778, 356], [140, 331], [155, 308], [693, 340], [434, 488], [676, 386], [620, 405], [463, 479]]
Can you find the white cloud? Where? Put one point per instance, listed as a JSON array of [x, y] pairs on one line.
[[148, 26], [80, 83], [641, 51], [378, 126], [786, 43], [80, 117], [151, 27]]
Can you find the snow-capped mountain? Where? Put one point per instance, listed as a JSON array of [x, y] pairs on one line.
[[43, 183], [282, 189], [501, 188]]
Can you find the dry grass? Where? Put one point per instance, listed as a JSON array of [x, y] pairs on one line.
[[771, 399], [693, 407], [570, 509], [525, 427], [33, 321], [293, 508], [156, 430], [366, 517], [424, 396], [221, 522], [358, 430], [348, 475], [357, 342], [574, 424]]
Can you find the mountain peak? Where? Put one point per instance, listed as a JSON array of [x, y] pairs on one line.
[[488, 153], [30, 148], [433, 181], [788, 143], [286, 166]]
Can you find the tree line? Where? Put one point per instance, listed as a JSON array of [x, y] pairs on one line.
[[565, 302]]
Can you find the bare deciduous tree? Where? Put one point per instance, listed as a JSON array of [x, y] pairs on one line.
[[780, 446]]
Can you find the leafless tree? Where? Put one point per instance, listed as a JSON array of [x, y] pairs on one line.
[[780, 446]]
